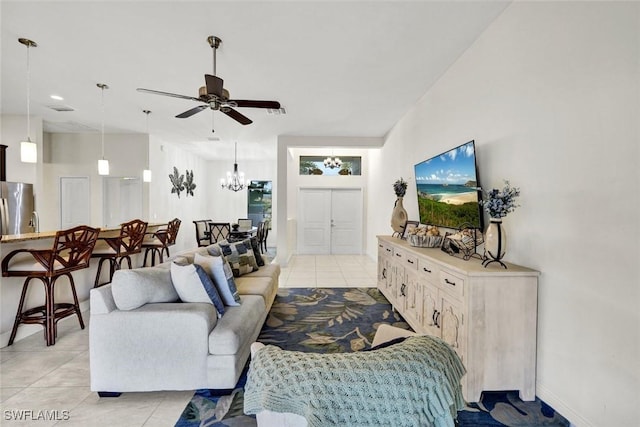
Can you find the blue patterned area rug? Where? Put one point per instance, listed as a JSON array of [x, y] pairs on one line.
[[339, 320]]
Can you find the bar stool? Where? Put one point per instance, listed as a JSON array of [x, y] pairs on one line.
[[160, 242], [117, 249], [203, 237], [71, 251]]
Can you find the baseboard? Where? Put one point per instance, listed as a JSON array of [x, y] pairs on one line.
[[28, 330], [562, 407]]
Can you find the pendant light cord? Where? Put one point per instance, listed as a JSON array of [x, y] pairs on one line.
[[28, 96], [102, 125]]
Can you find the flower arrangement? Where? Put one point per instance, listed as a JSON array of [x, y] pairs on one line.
[[400, 187], [499, 203]]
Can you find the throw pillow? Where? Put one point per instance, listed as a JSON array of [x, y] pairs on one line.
[[193, 284], [218, 269], [240, 257], [253, 241], [134, 288], [214, 250]]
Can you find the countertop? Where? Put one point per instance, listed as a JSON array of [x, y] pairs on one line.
[[16, 238]]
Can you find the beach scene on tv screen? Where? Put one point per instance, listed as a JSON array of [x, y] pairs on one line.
[[447, 188]]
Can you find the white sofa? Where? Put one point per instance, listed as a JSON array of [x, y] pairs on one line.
[[174, 345]]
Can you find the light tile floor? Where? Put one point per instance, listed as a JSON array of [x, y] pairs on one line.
[[34, 377]]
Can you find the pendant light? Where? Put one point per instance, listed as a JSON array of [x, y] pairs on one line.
[[28, 149], [146, 174], [103, 165], [235, 181]]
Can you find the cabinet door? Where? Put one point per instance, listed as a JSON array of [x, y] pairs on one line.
[[385, 273], [410, 294], [451, 324], [429, 309]]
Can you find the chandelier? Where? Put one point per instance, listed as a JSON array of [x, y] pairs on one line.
[[234, 181], [332, 163]]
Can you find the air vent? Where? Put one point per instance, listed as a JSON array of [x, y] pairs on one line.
[[67, 127], [61, 107], [276, 111]]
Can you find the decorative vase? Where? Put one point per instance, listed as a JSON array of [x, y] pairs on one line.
[[398, 216], [495, 243]]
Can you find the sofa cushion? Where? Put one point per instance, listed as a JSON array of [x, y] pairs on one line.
[[240, 256], [237, 327], [134, 288], [270, 270], [220, 272], [193, 284], [263, 286]]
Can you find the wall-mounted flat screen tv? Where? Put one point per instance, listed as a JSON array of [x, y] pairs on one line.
[[448, 189]]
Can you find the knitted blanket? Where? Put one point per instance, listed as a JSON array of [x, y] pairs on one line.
[[412, 383]]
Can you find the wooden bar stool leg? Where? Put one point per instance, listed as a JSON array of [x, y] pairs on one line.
[[146, 252], [18, 319], [49, 312], [97, 282], [75, 300]]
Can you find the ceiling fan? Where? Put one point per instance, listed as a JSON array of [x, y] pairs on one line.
[[215, 96]]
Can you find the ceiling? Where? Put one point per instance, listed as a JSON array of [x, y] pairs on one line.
[[348, 69]]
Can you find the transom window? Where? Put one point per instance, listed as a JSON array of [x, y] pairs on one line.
[[330, 165]]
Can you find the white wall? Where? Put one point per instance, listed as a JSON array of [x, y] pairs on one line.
[[77, 154], [164, 205], [550, 92]]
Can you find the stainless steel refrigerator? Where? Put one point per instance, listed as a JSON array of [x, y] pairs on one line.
[[16, 208]]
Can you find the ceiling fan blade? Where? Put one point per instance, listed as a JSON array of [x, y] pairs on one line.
[[174, 95], [256, 104], [192, 111], [214, 85], [237, 116]]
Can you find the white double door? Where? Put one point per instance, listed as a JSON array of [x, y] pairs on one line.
[[330, 221]]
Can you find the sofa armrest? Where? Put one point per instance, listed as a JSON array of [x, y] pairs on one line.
[[101, 300]]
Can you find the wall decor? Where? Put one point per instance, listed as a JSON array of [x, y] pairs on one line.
[[177, 182], [189, 185]]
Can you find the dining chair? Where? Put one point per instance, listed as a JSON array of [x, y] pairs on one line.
[[158, 243], [260, 236], [71, 251], [203, 237], [244, 223], [267, 227], [219, 231], [117, 249]]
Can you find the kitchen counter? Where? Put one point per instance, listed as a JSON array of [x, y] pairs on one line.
[[16, 238]]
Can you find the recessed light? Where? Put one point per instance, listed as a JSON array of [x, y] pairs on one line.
[[57, 97]]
